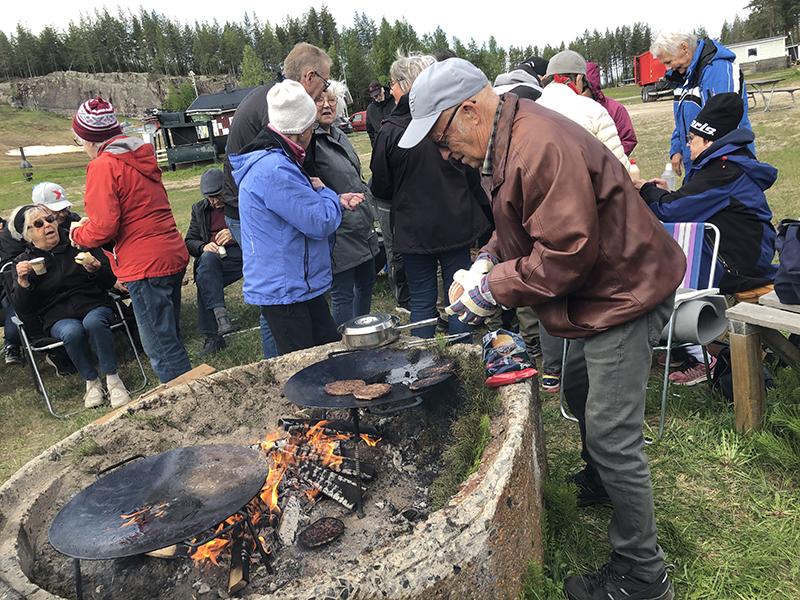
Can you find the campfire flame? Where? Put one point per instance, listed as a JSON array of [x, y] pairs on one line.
[[284, 452], [140, 516]]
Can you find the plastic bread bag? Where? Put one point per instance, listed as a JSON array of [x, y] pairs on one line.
[[506, 358]]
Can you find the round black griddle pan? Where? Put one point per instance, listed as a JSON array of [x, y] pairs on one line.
[[398, 367], [201, 485]]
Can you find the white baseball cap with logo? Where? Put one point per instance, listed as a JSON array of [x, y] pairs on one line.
[[441, 86], [50, 195]]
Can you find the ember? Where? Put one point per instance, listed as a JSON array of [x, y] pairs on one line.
[[140, 516]]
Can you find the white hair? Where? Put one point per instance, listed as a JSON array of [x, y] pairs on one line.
[[669, 41], [407, 68], [338, 90]]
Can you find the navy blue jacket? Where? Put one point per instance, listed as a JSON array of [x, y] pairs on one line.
[[725, 186]]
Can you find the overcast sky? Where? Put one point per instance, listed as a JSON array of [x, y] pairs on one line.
[[511, 23]]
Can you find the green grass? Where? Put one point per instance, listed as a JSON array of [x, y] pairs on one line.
[[726, 506]]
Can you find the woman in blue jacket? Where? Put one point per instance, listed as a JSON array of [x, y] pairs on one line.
[[288, 224], [701, 69]]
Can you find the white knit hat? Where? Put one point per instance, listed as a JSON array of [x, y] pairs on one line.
[[291, 109]]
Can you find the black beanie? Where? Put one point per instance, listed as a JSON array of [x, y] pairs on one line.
[[721, 115]]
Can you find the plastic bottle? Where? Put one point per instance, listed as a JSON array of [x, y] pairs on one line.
[[634, 172], [669, 176]]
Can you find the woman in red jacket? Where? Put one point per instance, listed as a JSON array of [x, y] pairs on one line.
[[129, 216]]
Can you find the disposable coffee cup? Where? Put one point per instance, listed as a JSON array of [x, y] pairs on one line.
[[222, 252], [38, 266]]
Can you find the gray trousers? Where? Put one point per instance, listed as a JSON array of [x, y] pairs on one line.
[[604, 384]]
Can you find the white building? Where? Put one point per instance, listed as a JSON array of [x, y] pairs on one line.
[[758, 56]]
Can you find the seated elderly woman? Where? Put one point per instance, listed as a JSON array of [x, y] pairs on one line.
[[288, 224], [69, 296], [338, 166]]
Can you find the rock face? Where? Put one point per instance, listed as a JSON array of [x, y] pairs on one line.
[[130, 93], [476, 547]]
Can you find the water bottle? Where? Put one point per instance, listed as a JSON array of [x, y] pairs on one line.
[[669, 176], [634, 172]]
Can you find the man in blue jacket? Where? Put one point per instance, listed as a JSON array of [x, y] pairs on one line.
[[725, 186]]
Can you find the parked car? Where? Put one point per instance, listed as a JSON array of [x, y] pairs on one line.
[[359, 121], [343, 124]]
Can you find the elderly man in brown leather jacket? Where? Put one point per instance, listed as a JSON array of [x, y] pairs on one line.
[[574, 241]]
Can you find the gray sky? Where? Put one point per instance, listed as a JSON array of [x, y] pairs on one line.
[[512, 23]]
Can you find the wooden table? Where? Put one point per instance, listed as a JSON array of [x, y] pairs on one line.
[[752, 325], [758, 86]]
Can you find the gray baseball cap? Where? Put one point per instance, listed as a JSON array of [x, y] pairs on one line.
[[50, 195], [439, 87], [566, 62]]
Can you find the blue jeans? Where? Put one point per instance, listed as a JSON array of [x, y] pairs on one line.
[[96, 326], [351, 292], [268, 345], [11, 332], [604, 384], [157, 306], [421, 273], [212, 275]]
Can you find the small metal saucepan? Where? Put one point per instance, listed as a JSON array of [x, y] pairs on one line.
[[372, 331]]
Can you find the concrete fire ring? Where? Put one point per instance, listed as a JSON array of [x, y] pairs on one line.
[[476, 547]]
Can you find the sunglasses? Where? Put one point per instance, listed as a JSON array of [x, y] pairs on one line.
[[439, 143], [39, 223], [326, 83]]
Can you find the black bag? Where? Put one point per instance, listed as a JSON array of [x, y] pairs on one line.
[[722, 375], [787, 280]]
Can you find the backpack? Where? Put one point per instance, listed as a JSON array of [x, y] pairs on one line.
[[722, 375]]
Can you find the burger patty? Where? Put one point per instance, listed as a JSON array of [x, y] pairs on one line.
[[438, 369], [344, 387], [370, 392], [428, 381]]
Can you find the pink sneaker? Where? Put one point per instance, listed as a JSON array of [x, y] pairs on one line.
[[693, 372]]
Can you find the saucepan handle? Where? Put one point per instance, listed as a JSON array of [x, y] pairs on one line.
[[431, 321]]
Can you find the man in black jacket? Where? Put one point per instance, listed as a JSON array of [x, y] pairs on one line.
[[311, 67], [378, 110], [217, 261]]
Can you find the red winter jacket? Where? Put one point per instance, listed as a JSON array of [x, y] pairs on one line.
[[129, 212]]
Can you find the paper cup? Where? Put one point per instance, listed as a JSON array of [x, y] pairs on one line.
[[38, 266]]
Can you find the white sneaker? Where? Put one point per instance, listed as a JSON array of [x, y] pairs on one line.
[[118, 394], [94, 394]]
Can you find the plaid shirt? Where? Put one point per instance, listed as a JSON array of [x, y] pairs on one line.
[[487, 170]]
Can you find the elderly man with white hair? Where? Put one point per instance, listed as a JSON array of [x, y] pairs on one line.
[[701, 68], [574, 241]]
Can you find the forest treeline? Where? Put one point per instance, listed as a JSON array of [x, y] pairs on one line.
[[253, 50]]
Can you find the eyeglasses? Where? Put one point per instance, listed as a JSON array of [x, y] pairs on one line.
[[439, 143], [323, 99], [690, 138], [395, 82], [39, 223], [78, 141], [326, 83]]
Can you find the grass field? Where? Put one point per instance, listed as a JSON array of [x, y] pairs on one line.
[[727, 506]]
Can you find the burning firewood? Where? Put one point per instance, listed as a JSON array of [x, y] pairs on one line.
[[240, 566], [331, 484]]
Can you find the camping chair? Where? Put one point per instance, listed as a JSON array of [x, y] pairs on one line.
[[47, 344], [698, 316]]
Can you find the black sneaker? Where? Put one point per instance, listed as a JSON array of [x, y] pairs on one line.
[[61, 362], [213, 345], [612, 582], [13, 357], [591, 491], [534, 348]]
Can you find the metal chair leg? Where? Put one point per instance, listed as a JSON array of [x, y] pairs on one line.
[[561, 391]]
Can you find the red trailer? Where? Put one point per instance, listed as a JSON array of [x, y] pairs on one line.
[[649, 75]]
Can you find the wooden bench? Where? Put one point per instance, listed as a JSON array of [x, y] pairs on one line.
[[752, 325], [751, 96]]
